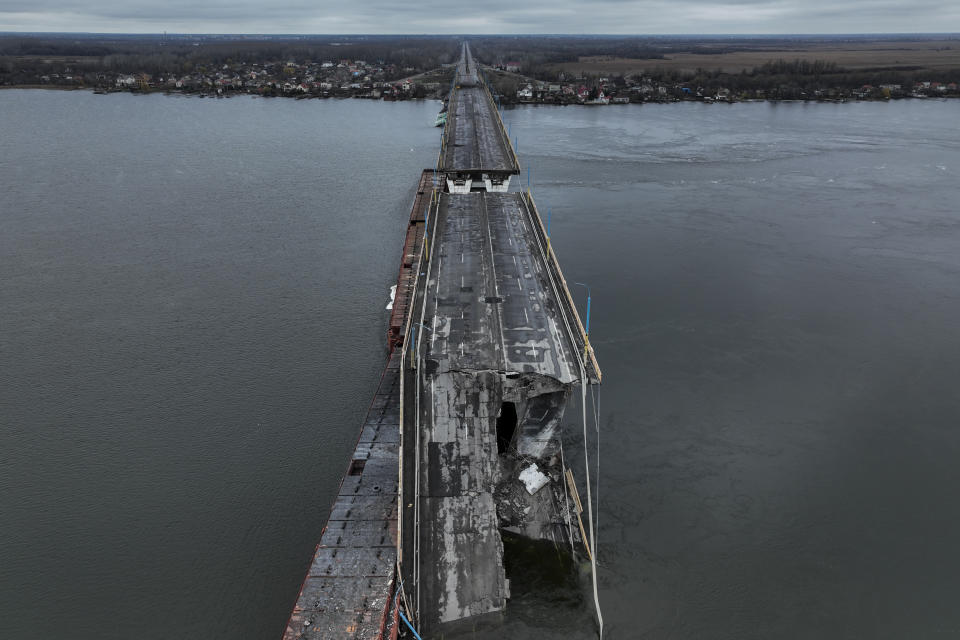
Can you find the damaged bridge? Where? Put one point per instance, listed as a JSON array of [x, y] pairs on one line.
[[462, 441], [494, 347]]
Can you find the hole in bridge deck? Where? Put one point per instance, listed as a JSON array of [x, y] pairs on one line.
[[356, 467], [506, 426]]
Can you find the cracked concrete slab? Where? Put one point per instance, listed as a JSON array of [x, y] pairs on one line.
[[492, 333]]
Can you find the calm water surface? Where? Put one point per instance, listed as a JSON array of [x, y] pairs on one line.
[[193, 325]]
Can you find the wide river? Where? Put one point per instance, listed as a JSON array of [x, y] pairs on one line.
[[192, 325]]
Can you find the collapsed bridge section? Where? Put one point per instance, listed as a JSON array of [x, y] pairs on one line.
[[494, 349]]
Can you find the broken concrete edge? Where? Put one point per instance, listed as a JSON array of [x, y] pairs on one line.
[[466, 449]]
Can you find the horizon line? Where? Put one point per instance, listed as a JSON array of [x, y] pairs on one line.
[[485, 35]]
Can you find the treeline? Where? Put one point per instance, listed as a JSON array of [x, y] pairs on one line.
[[26, 54], [541, 57], [803, 74], [797, 75], [536, 54]]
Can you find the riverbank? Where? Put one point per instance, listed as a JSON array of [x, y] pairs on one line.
[[724, 100], [434, 94], [41, 86], [763, 84]]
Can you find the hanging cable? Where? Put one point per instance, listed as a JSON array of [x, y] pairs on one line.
[[586, 463], [597, 422], [595, 402]]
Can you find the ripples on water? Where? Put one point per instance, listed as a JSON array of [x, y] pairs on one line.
[[193, 295], [774, 308]]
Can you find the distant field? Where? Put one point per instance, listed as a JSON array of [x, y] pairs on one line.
[[929, 54]]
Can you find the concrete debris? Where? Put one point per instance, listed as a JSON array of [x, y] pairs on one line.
[[532, 479]]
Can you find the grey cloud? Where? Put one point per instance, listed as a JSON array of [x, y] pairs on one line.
[[495, 16]]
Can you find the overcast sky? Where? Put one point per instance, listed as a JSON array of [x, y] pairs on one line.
[[491, 16]]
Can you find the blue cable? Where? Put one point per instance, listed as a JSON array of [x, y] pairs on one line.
[[403, 617]]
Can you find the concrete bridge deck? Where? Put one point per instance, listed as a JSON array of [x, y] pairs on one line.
[[474, 140], [491, 299], [496, 328]]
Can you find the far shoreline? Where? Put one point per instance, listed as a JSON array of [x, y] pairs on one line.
[[236, 94]]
